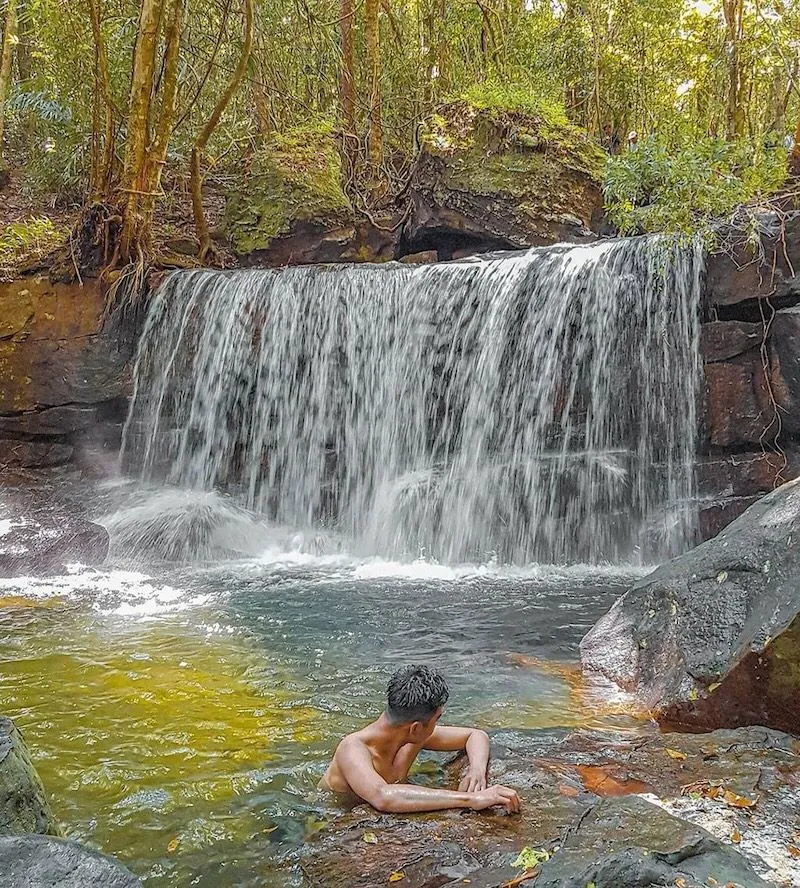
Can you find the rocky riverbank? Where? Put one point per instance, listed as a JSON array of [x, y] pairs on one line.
[[610, 809]]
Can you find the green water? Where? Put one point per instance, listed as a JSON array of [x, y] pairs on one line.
[[180, 719]]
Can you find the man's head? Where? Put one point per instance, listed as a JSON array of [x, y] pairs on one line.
[[415, 699]]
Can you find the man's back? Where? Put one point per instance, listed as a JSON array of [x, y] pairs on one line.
[[373, 764]]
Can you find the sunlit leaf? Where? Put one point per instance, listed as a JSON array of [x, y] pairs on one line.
[[531, 857], [173, 845], [370, 838], [397, 877], [676, 754]]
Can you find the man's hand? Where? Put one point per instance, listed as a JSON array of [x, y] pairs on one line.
[[474, 780], [495, 796]]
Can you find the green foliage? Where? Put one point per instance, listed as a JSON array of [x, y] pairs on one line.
[[28, 239], [518, 98], [531, 857], [681, 189], [297, 176]]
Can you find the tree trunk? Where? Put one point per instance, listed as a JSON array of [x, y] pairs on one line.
[[102, 166], [373, 52], [157, 151], [6, 57], [735, 118], [136, 234], [201, 225], [347, 86], [794, 157]]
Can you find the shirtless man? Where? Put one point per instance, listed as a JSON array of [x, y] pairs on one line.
[[373, 763]]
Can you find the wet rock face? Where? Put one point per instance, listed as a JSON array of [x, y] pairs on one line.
[[735, 276], [581, 803], [43, 543], [45, 862], [63, 373], [712, 638], [23, 803]]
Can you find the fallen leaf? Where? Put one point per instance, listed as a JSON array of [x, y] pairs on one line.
[[681, 883], [397, 877], [736, 837], [693, 695], [714, 686], [370, 838], [794, 851], [604, 782], [269, 829], [736, 801], [722, 576], [173, 846], [676, 754]]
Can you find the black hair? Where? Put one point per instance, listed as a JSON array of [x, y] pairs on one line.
[[414, 694]]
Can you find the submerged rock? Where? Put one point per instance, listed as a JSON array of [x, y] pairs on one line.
[[45, 862], [23, 803], [610, 807], [712, 638], [44, 542]]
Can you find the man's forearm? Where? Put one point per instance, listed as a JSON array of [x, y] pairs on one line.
[[478, 749], [406, 798]]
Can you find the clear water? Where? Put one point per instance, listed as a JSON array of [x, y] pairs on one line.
[[181, 714], [534, 407]]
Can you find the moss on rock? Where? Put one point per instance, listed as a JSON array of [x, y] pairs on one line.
[[296, 178], [506, 168]]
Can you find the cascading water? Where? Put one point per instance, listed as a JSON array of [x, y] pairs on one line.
[[533, 406]]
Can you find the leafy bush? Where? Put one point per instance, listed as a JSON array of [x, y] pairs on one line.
[[683, 189]]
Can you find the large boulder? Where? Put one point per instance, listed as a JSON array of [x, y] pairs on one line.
[[712, 638], [785, 354], [45, 862], [45, 542], [290, 207], [498, 176], [23, 804], [629, 843]]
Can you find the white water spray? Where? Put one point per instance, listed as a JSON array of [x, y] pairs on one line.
[[537, 406]]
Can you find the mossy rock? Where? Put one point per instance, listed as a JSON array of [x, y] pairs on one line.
[[510, 174], [23, 804], [296, 178]]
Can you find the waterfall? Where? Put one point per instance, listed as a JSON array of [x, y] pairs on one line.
[[533, 406]]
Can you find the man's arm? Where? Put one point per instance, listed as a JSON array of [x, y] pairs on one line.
[[477, 746], [355, 763]]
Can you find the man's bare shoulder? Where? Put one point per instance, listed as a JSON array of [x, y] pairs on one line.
[[352, 743]]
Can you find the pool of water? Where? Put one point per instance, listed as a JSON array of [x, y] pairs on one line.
[[180, 715]]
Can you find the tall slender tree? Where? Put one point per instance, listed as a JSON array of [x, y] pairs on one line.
[[6, 60], [200, 221]]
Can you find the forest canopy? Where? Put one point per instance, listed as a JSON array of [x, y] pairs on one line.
[[146, 104]]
